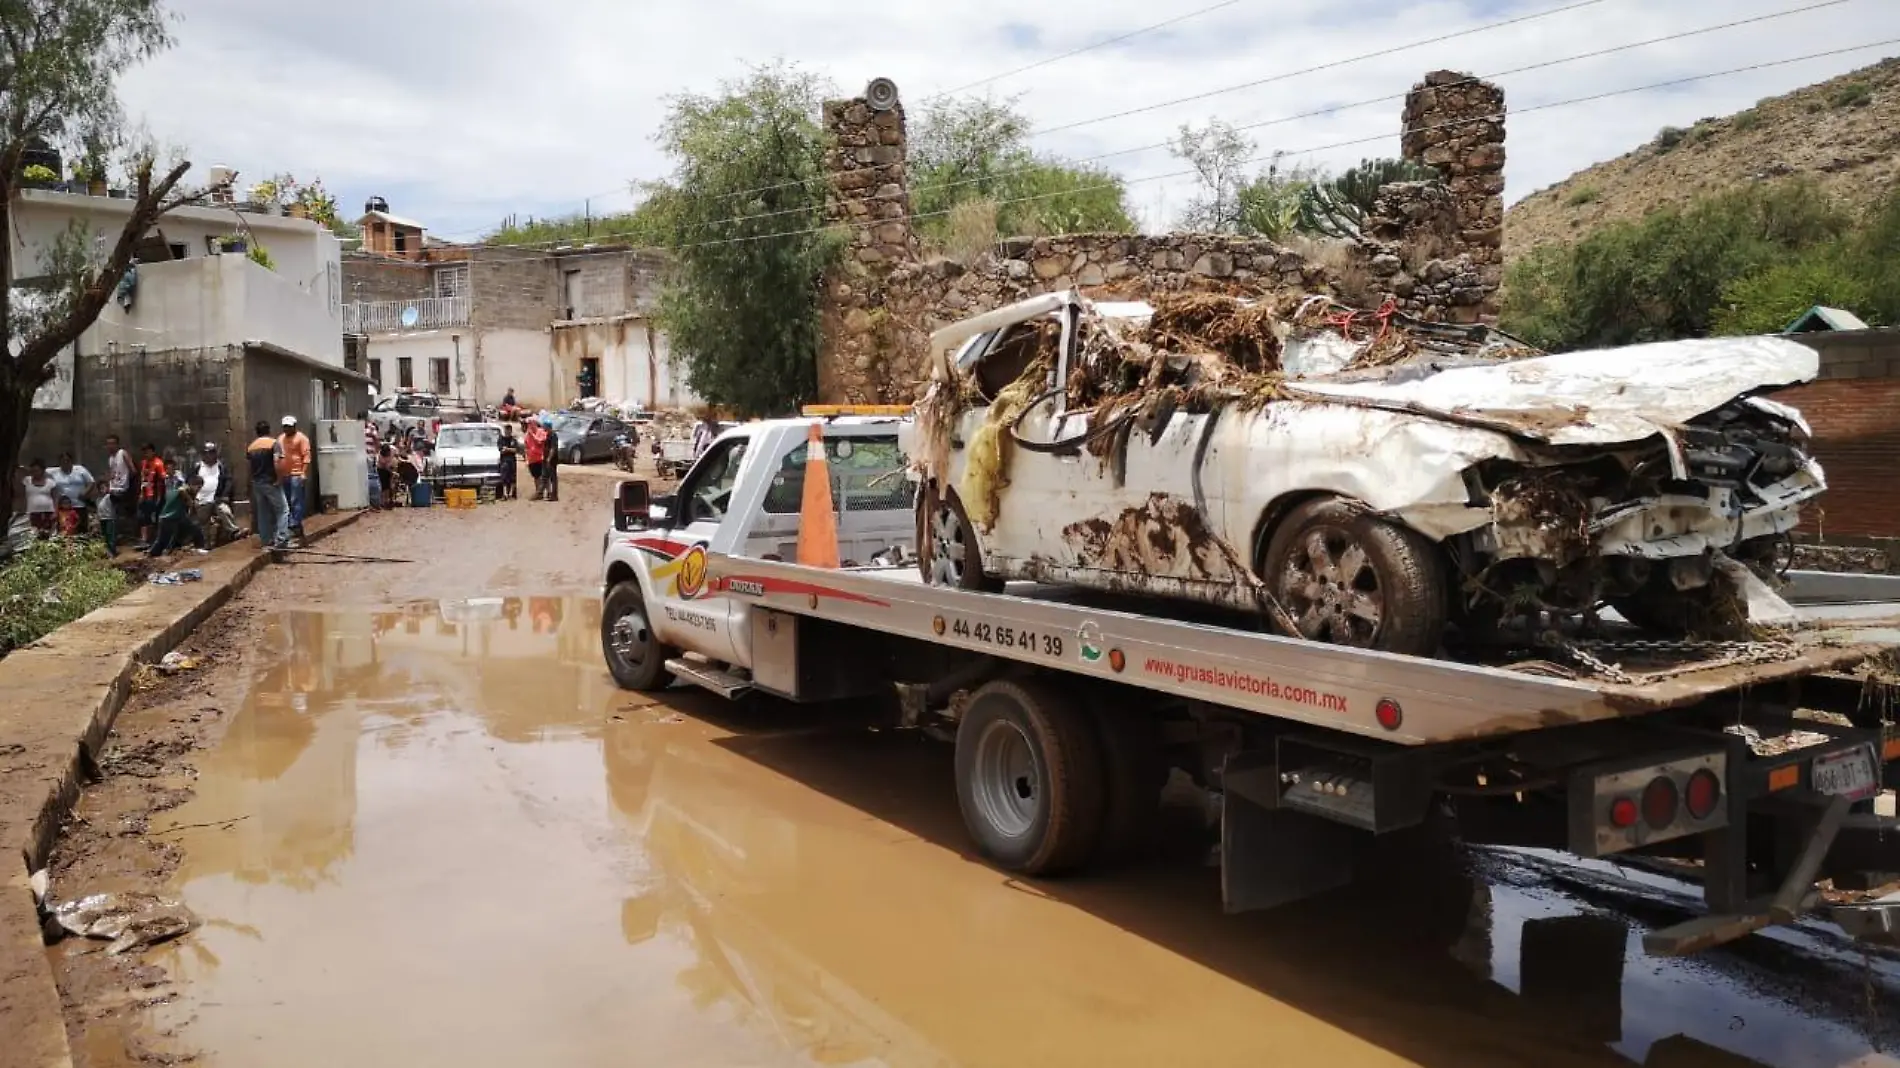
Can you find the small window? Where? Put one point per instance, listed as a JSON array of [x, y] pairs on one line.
[[376, 372], [402, 241], [405, 372], [451, 281], [867, 475], [439, 373]]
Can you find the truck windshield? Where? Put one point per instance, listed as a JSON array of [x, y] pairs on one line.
[[468, 437]]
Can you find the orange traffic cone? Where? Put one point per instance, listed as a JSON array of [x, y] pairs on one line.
[[817, 523]]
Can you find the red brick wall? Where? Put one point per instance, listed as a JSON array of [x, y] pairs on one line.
[[1855, 411]]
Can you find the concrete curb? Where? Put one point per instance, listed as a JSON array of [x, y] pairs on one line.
[[62, 694]]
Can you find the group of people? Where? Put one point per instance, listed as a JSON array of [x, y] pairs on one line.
[[394, 465], [159, 507]]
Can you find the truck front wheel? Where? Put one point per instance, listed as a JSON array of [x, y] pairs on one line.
[[1029, 777], [634, 654]]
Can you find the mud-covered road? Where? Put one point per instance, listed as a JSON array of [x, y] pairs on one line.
[[422, 827]]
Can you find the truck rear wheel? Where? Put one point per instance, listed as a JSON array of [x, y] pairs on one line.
[[634, 654], [1349, 578], [1029, 777]]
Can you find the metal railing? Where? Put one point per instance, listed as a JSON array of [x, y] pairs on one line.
[[396, 316]]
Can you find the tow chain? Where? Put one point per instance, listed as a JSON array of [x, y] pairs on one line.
[[1585, 653]]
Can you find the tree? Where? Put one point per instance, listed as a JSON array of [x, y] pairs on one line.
[[744, 215], [59, 65], [1269, 206], [975, 151], [1219, 154], [644, 225]]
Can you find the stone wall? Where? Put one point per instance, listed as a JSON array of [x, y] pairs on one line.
[[1435, 248], [868, 194]]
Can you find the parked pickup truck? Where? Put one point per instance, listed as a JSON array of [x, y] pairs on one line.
[[1370, 505], [1758, 761], [414, 409]]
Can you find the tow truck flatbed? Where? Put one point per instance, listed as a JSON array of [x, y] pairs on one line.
[[1758, 761], [1320, 685]]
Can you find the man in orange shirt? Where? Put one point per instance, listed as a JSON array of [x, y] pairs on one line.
[[296, 466], [151, 492], [536, 445]]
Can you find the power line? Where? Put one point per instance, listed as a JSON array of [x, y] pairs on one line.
[[1347, 61], [1318, 112], [1256, 83], [1104, 43], [1188, 173]]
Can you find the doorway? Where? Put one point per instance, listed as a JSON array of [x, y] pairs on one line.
[[589, 381]]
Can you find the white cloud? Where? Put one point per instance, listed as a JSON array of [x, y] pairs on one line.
[[461, 111]]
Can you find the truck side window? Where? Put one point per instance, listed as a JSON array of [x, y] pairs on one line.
[[867, 475], [708, 488]]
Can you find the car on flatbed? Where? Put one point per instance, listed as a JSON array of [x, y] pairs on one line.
[[1368, 506], [1758, 761]]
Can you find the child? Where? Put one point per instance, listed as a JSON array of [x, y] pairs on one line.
[[108, 508]]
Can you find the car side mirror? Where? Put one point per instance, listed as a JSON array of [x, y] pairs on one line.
[[631, 504]]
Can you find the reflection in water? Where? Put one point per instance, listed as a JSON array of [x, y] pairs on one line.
[[448, 828]]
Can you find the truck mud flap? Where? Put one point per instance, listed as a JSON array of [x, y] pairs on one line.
[[1269, 855]]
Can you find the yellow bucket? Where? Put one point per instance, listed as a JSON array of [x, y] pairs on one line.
[[460, 498]]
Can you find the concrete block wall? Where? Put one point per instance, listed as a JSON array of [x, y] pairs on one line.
[[372, 278], [513, 288]]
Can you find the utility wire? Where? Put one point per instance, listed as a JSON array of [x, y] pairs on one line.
[[1072, 53], [1346, 61], [1316, 113], [1188, 173]]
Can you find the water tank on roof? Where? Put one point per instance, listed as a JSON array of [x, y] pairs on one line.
[[375, 204]]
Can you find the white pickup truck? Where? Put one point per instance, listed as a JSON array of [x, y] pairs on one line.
[[1758, 761]]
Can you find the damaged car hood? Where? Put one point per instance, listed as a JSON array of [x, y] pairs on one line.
[[1596, 397]]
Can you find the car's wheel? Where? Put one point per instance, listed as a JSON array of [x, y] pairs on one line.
[[1349, 578], [574, 456], [634, 654], [947, 550], [1029, 777]]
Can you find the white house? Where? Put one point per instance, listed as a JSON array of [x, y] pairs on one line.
[[190, 294]]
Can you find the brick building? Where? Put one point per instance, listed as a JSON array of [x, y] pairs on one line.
[[473, 321], [1854, 408]]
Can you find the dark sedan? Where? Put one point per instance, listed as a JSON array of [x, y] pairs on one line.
[[585, 437]]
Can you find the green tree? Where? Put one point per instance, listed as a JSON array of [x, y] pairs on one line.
[[975, 151], [644, 225], [59, 67], [1219, 154], [744, 216], [1666, 276]]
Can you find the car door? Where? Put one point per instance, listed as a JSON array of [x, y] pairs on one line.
[[675, 553]]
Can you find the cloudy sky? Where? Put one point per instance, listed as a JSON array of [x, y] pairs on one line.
[[463, 111]]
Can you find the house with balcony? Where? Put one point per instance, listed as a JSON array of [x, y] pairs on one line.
[[473, 321], [204, 338]]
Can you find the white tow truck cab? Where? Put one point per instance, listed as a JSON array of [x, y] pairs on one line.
[[1758, 762], [742, 497]]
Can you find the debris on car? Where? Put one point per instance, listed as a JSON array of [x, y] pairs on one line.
[[1377, 478]]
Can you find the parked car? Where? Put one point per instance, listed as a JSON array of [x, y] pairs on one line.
[[1369, 507], [418, 409], [584, 437], [466, 455]]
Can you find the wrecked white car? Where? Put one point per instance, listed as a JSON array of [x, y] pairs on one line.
[[1359, 479]]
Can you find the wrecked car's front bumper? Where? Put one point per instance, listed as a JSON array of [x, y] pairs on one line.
[[1682, 525]]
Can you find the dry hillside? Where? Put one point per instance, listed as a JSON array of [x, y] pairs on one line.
[[1845, 133]]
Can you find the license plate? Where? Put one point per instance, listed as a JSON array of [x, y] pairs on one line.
[[1849, 774]]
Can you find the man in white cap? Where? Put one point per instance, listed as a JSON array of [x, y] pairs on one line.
[[296, 466], [211, 510]]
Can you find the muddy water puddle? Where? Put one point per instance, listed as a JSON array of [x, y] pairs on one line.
[[437, 834]]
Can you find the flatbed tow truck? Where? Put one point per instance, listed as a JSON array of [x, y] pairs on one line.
[[1754, 766]]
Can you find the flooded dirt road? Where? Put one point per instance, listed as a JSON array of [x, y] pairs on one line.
[[422, 827]]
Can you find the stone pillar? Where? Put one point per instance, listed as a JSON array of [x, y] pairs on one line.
[[868, 193], [1454, 123]]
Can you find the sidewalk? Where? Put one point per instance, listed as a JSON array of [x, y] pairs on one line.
[[62, 694]]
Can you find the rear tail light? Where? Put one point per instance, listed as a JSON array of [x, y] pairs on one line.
[[1703, 794], [1659, 802], [1622, 813]]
